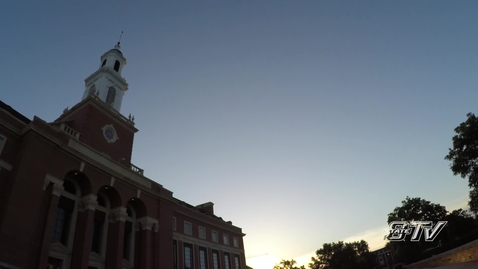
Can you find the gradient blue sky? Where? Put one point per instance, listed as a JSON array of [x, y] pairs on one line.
[[305, 122]]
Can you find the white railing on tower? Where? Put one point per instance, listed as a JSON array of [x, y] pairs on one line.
[[67, 129], [136, 169]]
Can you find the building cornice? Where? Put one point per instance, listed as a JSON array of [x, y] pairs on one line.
[[117, 53], [12, 128], [205, 243], [107, 162], [120, 119], [209, 220], [163, 194], [118, 173]]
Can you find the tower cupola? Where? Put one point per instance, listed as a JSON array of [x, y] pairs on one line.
[[107, 82]]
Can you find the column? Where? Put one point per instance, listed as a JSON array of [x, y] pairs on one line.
[[114, 248], [84, 232], [147, 224], [56, 188]]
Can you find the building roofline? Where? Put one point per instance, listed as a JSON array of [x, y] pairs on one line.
[[101, 105], [14, 113]]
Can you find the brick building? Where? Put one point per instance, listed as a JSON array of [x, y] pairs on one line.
[[70, 197], [384, 257]]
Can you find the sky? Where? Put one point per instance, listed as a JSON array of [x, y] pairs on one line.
[[304, 122]]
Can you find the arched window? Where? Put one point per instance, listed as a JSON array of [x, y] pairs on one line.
[[66, 214], [103, 64], [92, 90], [117, 66], [110, 96]]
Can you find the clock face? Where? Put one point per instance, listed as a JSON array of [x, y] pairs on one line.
[[109, 133]]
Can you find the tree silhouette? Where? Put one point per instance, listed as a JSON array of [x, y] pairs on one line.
[[464, 156], [288, 264]]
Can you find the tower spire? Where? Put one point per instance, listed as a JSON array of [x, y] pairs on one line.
[[119, 41]]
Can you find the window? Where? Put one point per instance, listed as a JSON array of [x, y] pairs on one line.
[[110, 96], [98, 226], [64, 224], [202, 258], [202, 232], [3, 141], [117, 66], [188, 256], [215, 259], [60, 226], [188, 228], [237, 262], [175, 253], [104, 62], [214, 236], [174, 224], [225, 239], [227, 262], [236, 242], [63, 220]]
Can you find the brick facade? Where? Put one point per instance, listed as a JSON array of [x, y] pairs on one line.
[[71, 199]]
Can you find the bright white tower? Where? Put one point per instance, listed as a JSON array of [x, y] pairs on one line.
[[107, 81]]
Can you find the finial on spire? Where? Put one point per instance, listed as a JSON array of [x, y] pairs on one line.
[[121, 35], [119, 41]]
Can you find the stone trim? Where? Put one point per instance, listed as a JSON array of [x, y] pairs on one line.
[[57, 190], [102, 107], [148, 223], [205, 243], [138, 193], [88, 202], [12, 128], [118, 214], [4, 164], [78, 146], [208, 219], [57, 184]]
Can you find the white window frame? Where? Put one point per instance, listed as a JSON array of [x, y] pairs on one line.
[[202, 250], [190, 232], [235, 242], [214, 236], [61, 253], [104, 233], [237, 261], [131, 249], [202, 234], [225, 239], [216, 260], [227, 261], [191, 249]]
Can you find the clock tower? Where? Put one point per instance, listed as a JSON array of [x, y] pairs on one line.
[[107, 82], [97, 120]]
